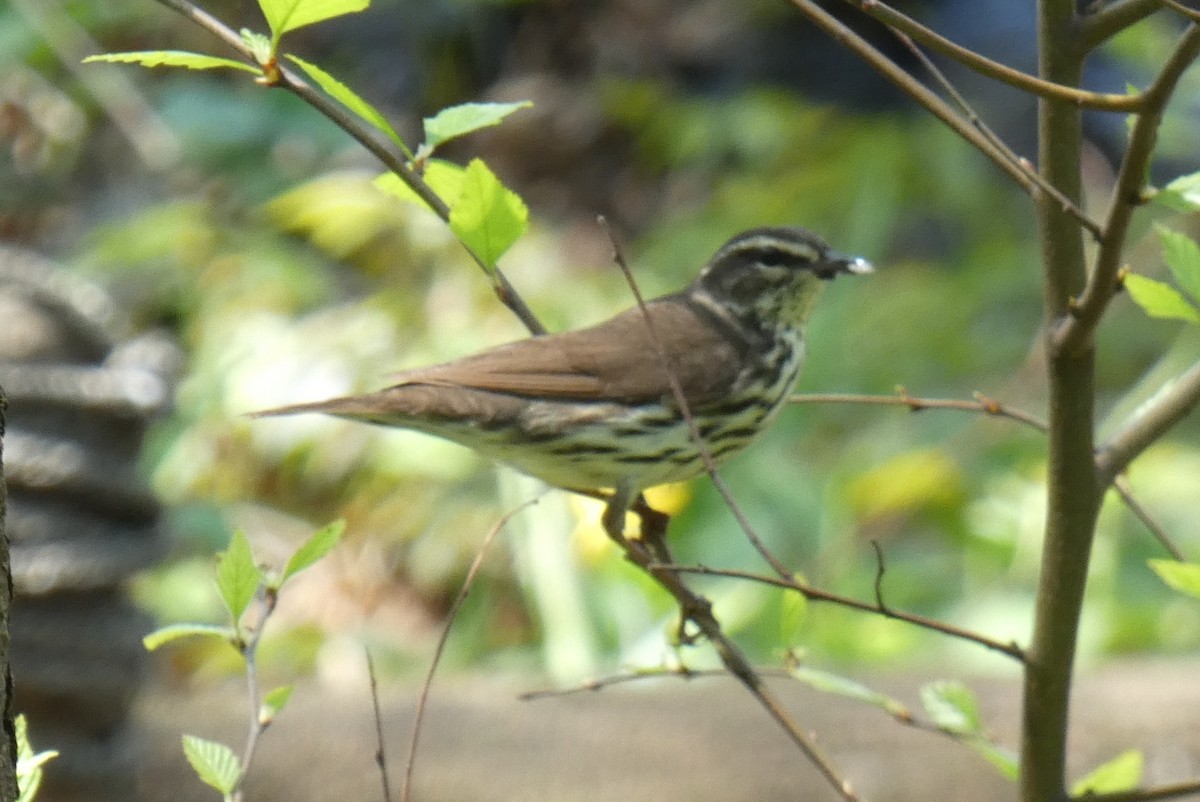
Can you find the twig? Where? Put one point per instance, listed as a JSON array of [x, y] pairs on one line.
[[1181, 9], [1027, 179], [599, 684], [380, 749], [1121, 485], [994, 69], [982, 403], [696, 608], [710, 465], [1152, 421], [973, 117], [1115, 17], [880, 569], [815, 594], [267, 600], [1076, 331], [369, 138], [451, 615]]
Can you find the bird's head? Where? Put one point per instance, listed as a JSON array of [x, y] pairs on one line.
[[770, 277]]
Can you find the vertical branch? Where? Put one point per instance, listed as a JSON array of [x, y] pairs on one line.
[[8, 740], [1072, 486]]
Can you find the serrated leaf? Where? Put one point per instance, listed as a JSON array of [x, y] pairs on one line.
[[456, 121], [1161, 300], [1182, 255], [174, 632], [288, 15], [443, 177], [347, 97], [844, 686], [1122, 773], [488, 217], [952, 706], [238, 578], [316, 547], [1182, 194], [1180, 576], [214, 763], [174, 58], [263, 47], [274, 701]]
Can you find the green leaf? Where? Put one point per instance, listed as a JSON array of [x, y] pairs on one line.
[[488, 217], [443, 177], [238, 578], [214, 763], [346, 96], [274, 701], [1122, 773], [844, 686], [288, 15], [263, 47], [29, 764], [952, 706], [1183, 577], [1182, 194], [1182, 255], [456, 121], [1004, 760], [174, 58], [1161, 300], [316, 547], [174, 632]]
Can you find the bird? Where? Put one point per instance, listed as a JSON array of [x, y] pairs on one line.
[[594, 410]]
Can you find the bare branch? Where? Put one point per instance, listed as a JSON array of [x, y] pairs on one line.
[[1121, 485], [1076, 332], [370, 139], [994, 69], [981, 404], [451, 615], [1172, 404], [1114, 18], [818, 595], [380, 751], [1180, 8], [1021, 173]]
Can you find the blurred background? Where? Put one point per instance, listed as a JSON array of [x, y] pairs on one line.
[[238, 230]]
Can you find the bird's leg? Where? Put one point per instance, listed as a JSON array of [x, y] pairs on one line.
[[653, 529]]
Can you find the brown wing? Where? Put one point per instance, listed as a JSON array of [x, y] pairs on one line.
[[614, 360]]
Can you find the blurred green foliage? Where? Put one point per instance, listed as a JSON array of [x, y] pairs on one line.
[[289, 277]]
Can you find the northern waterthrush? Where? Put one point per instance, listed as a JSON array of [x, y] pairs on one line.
[[593, 409]]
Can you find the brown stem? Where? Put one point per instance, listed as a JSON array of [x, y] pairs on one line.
[[1076, 331], [1073, 497], [1150, 423], [1114, 18], [994, 69], [370, 139]]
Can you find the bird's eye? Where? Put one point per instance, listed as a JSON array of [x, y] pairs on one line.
[[773, 257]]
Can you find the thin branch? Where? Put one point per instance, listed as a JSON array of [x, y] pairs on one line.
[[1121, 485], [267, 600], [599, 684], [369, 138], [1172, 404], [1114, 18], [817, 595], [710, 465], [982, 403], [1103, 282], [1180, 8], [994, 69], [1029, 181], [694, 607], [380, 750], [973, 117], [451, 615]]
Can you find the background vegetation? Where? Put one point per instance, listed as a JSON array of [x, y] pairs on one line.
[[246, 224]]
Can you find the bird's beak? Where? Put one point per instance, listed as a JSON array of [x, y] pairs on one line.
[[845, 264]]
